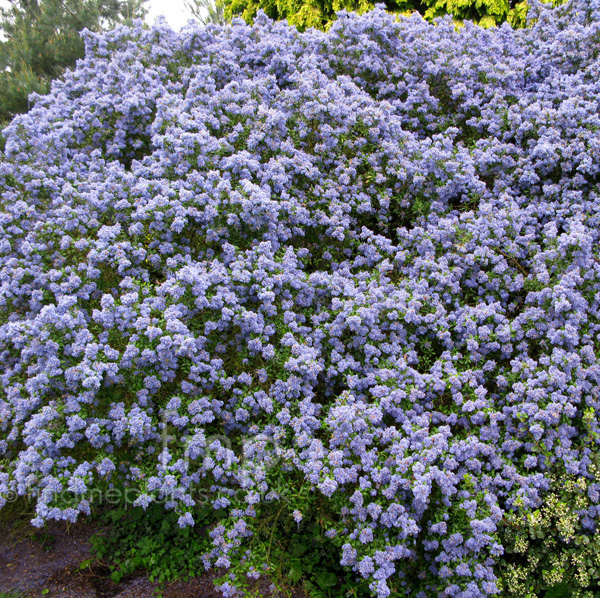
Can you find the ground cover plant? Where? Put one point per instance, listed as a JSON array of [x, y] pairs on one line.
[[345, 283]]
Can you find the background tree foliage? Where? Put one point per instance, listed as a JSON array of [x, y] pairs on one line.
[[41, 40], [206, 11], [321, 13]]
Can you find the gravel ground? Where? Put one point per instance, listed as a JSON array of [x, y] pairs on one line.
[[47, 565]]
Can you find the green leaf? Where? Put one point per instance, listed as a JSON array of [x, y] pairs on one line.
[[561, 590], [84, 564], [299, 548], [326, 580], [294, 575]]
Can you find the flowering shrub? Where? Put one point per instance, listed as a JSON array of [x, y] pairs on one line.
[[353, 273], [547, 550]]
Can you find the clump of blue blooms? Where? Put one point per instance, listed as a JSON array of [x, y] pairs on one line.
[[368, 257]]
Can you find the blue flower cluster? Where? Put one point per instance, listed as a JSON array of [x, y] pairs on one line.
[[369, 256]]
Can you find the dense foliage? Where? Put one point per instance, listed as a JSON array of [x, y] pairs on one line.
[[547, 551], [348, 278], [321, 13], [41, 39]]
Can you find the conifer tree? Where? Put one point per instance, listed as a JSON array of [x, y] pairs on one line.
[[41, 39]]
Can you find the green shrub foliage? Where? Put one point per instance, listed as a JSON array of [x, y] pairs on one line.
[[548, 552], [321, 13]]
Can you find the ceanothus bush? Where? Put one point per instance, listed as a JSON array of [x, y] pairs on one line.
[[357, 269]]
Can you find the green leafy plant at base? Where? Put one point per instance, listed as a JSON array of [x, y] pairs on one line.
[[151, 540], [300, 554]]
